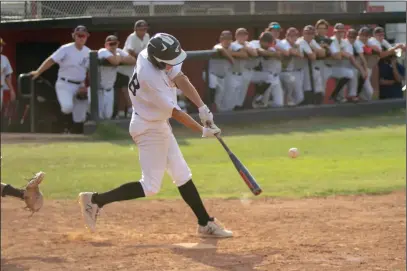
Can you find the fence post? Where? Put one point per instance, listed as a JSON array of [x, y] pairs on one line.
[[94, 85]]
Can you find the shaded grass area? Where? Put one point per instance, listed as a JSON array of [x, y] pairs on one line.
[[337, 156]]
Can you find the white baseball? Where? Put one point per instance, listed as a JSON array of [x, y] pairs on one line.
[[293, 152]]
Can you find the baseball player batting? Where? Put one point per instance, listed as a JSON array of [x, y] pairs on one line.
[[73, 60], [152, 89]]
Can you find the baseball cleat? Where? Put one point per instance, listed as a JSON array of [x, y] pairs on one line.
[[36, 180], [89, 210], [214, 229]]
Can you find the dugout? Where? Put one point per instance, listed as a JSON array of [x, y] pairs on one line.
[[29, 42]]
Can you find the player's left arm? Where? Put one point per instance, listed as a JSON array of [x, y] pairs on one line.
[[183, 83]]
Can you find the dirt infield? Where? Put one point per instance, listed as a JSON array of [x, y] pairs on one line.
[[335, 233]]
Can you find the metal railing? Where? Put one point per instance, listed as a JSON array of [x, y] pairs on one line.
[[27, 10]]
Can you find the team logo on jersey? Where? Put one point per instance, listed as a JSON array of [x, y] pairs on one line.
[[83, 62]]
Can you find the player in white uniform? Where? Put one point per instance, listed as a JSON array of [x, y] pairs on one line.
[[219, 68], [343, 69], [72, 94], [135, 43], [291, 75], [379, 44], [358, 52], [270, 74], [241, 38], [152, 90], [114, 56], [5, 73]]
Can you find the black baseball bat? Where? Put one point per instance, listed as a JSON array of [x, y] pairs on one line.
[[244, 173]]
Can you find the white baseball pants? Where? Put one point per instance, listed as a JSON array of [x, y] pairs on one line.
[[158, 152], [288, 84], [316, 72], [326, 73], [275, 90], [247, 78], [106, 100], [367, 90], [66, 93], [232, 91]]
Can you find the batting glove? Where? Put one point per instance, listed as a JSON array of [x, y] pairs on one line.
[[211, 131], [206, 116]]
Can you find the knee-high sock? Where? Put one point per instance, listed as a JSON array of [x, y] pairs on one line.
[[191, 196], [126, 191], [341, 83], [8, 190]]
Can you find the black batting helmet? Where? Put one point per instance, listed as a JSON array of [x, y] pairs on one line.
[[164, 49]]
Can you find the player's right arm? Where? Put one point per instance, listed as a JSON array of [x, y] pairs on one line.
[[56, 57], [267, 53]]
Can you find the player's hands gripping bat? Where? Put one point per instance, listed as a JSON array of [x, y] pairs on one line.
[[244, 173]]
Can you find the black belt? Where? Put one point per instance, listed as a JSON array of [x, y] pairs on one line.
[[328, 65], [221, 77], [237, 73], [107, 90], [70, 81]]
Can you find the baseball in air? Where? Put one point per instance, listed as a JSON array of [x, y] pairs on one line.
[[293, 152]]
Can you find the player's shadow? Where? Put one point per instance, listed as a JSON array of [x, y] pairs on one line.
[[222, 261], [6, 265]]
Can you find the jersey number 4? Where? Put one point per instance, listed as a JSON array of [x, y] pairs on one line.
[[134, 85]]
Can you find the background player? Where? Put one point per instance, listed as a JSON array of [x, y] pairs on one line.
[[73, 60], [115, 56], [152, 89], [135, 43], [5, 74]]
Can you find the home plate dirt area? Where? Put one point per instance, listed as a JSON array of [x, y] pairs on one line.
[[335, 233]]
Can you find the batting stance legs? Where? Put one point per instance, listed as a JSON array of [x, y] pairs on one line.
[[158, 152]]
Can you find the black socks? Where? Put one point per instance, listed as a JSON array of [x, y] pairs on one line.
[[125, 192], [191, 196], [8, 190], [340, 84]]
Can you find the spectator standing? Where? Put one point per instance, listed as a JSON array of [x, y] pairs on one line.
[[72, 94], [291, 75], [343, 69], [330, 51], [241, 37], [108, 73], [135, 43], [269, 75], [358, 53], [312, 83], [391, 75], [219, 68], [5, 73]]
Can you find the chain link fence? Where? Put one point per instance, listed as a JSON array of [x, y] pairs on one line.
[[21, 10]]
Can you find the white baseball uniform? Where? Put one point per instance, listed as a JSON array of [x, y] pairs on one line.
[[108, 76], [290, 74], [325, 66], [342, 68], [154, 96], [375, 42], [133, 42], [251, 63], [5, 71], [233, 81], [219, 69], [270, 74], [353, 84], [305, 47], [73, 65]]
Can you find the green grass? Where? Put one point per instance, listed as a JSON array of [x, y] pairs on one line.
[[337, 156]]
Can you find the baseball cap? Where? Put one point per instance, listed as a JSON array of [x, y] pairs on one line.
[[2, 42], [141, 23], [241, 31], [111, 38], [292, 30], [309, 29], [274, 25], [226, 34], [352, 33], [266, 37], [364, 31], [339, 27], [81, 28], [378, 30]]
